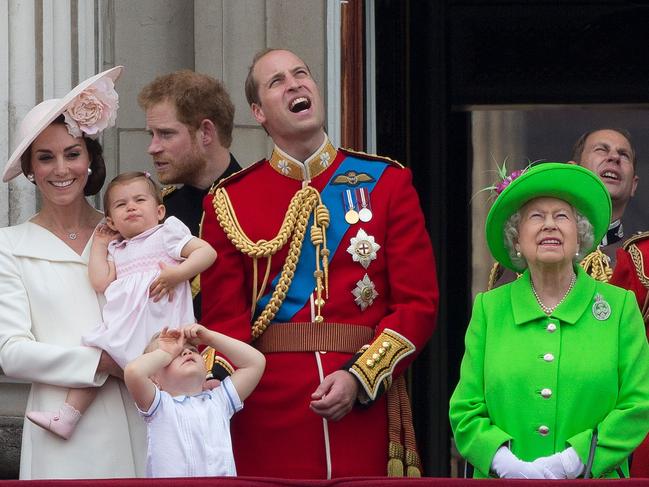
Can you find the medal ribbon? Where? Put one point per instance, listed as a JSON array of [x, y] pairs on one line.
[[303, 282], [349, 200], [363, 196]]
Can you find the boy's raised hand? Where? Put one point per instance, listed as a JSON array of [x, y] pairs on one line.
[[195, 333], [171, 341]]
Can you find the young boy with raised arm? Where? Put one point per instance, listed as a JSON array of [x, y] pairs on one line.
[[188, 428]]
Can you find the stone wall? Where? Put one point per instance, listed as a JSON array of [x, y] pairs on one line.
[[47, 46], [215, 37], [12, 409]]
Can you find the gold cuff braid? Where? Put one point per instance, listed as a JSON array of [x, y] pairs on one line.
[[304, 202], [210, 358], [376, 364]]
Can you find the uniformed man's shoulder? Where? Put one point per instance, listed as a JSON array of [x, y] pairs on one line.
[[640, 240], [168, 191], [237, 176], [370, 157]]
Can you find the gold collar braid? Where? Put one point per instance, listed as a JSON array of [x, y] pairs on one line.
[[303, 203]]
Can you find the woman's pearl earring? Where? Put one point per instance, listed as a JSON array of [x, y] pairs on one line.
[[89, 171], [518, 253], [30, 177]]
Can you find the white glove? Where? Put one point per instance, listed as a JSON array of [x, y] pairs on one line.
[[508, 466], [562, 465]]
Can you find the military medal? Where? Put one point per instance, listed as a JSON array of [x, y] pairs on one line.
[[351, 217], [601, 309], [363, 248], [363, 198], [364, 293], [349, 202]]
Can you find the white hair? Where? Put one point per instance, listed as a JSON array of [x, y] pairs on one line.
[[585, 238]]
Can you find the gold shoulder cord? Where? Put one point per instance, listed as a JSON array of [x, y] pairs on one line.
[[495, 274], [303, 203], [597, 265], [167, 190], [638, 263]]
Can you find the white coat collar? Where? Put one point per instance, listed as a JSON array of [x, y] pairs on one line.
[[36, 242]]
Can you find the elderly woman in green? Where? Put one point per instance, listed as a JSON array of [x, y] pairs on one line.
[[554, 382]]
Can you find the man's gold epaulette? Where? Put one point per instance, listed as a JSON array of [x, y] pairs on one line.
[[371, 157], [167, 190], [236, 176], [638, 237]]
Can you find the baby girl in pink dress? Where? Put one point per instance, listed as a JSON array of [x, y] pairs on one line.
[[143, 268]]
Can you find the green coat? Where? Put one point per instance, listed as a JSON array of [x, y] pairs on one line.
[[567, 373]]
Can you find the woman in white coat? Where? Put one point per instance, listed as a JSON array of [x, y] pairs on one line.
[[46, 300]]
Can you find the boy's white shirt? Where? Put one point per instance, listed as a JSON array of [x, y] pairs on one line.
[[189, 436]]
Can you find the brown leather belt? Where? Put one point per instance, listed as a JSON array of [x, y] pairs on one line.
[[313, 337]]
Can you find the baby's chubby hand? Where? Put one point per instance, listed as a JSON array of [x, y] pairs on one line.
[[104, 234], [164, 283]]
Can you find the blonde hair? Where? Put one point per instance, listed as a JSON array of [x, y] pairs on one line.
[[153, 343]]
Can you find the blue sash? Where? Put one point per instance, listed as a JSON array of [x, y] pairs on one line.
[[303, 282]]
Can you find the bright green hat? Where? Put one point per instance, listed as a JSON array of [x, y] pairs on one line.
[[569, 182]]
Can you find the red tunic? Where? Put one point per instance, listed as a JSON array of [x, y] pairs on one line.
[[276, 434], [626, 276]]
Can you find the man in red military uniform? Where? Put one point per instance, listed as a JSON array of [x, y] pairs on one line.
[[610, 154], [631, 273], [325, 264]]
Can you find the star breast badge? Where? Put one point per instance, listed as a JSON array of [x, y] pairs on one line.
[[364, 293], [363, 248]]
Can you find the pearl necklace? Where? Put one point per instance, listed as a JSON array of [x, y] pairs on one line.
[[548, 310]]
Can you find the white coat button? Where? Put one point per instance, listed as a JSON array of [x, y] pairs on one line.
[[548, 357], [544, 430], [551, 328], [546, 393]]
